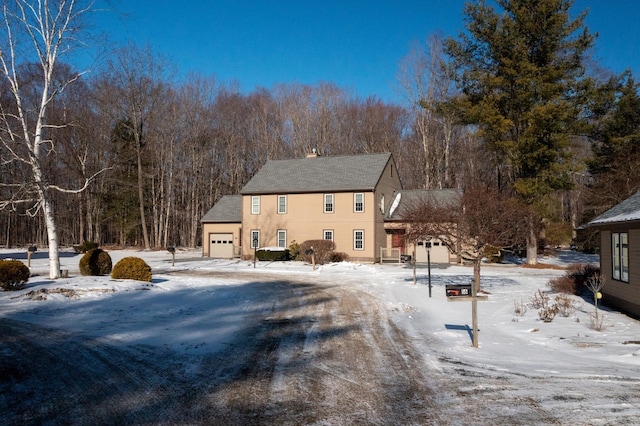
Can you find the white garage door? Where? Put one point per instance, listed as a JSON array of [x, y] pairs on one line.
[[221, 246], [439, 252]]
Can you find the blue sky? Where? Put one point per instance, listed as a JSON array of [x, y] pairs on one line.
[[355, 44]]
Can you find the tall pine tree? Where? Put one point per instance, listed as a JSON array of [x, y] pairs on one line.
[[520, 71]]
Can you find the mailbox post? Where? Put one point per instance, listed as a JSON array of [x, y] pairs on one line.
[[30, 251], [172, 250], [428, 246], [466, 292]]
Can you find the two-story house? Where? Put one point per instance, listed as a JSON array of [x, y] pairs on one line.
[[342, 198], [356, 201]]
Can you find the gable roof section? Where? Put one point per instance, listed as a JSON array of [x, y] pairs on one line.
[[626, 211], [319, 174], [409, 199], [228, 209]]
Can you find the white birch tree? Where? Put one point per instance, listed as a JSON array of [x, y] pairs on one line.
[[36, 33]]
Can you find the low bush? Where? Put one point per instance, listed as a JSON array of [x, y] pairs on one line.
[[566, 305], [132, 268], [562, 285], [338, 256], [322, 250], [575, 280], [548, 314], [294, 250], [95, 262], [539, 300], [85, 247], [13, 275], [272, 255]]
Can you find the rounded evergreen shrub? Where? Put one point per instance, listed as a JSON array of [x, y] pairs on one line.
[[132, 268], [13, 274], [95, 262]]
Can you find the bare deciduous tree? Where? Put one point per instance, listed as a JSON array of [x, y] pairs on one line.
[[482, 219], [40, 33]]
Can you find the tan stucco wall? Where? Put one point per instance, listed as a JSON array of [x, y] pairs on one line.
[[219, 228], [305, 220], [623, 295]]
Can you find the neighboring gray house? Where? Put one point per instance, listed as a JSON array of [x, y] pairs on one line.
[[620, 254]]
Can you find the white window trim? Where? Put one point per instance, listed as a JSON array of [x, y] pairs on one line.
[[282, 197], [355, 239], [355, 202], [255, 204], [251, 244], [284, 232], [324, 234], [333, 203]]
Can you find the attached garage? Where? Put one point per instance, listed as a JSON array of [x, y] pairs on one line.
[[222, 229], [439, 252], [221, 245]]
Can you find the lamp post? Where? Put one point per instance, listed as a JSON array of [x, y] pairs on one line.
[[255, 250], [428, 245]]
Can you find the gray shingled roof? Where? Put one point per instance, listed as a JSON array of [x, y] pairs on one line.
[[318, 174], [227, 209], [626, 211], [409, 199]]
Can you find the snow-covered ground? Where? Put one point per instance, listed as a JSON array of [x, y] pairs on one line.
[[182, 301]]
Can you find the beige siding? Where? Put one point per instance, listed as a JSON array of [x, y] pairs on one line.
[[305, 220], [220, 228], [623, 295]]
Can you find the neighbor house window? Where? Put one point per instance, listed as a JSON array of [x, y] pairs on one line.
[[255, 238], [282, 238], [620, 255], [255, 204], [328, 203], [358, 239], [358, 202], [282, 204], [327, 234]]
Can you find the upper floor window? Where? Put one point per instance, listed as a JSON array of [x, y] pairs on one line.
[[620, 256], [358, 202], [282, 204], [255, 204], [328, 203]]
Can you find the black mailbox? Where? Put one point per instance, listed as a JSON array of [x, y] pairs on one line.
[[32, 249], [171, 249], [458, 290]]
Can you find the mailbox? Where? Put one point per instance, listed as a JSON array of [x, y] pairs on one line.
[[32, 249], [458, 290]]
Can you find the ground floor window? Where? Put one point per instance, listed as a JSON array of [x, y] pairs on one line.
[[358, 239], [255, 238], [327, 234], [282, 238], [620, 256]]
